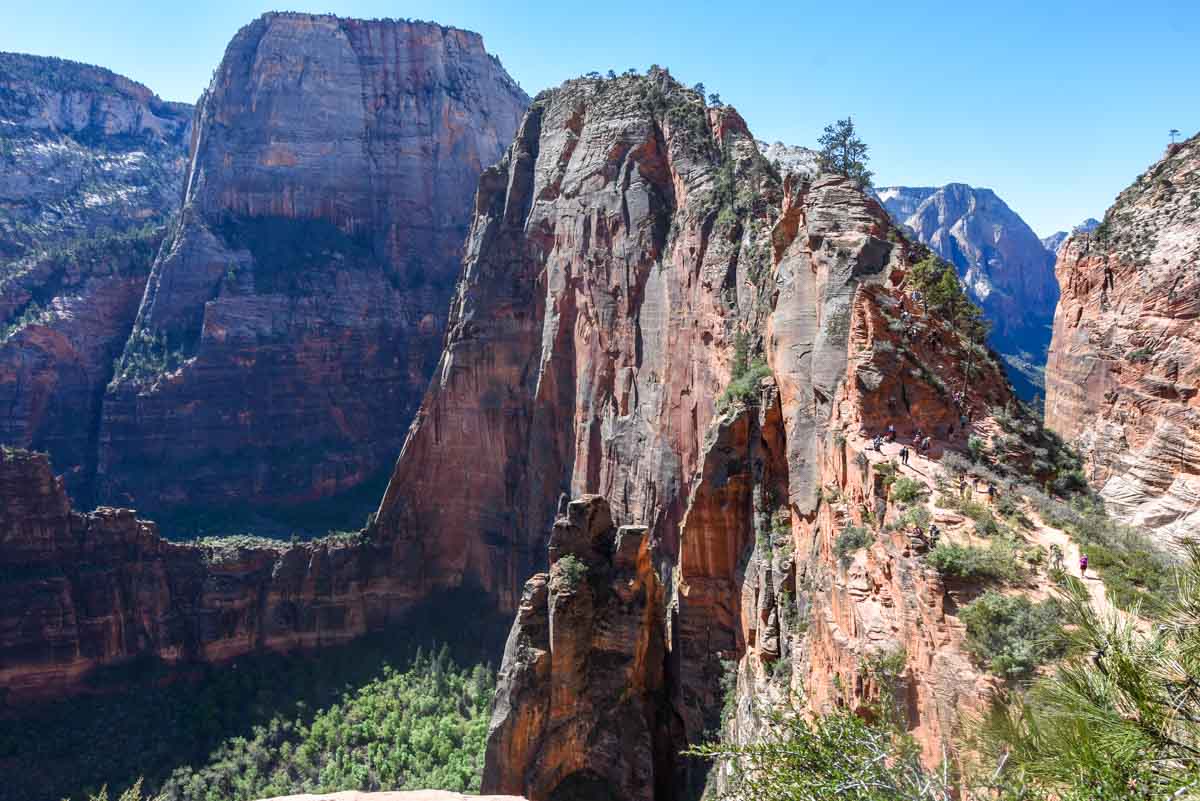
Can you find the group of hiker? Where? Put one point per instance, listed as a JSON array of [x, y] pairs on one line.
[[921, 441]]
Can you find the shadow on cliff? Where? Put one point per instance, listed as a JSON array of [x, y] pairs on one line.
[[146, 719]]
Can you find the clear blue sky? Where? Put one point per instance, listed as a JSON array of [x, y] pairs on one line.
[[1055, 104]]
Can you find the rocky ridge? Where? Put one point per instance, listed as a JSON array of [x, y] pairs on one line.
[[79, 591], [1006, 268], [295, 312], [1056, 240], [1124, 373]]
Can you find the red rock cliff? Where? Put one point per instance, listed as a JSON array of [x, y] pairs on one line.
[[628, 247], [1123, 379], [295, 312], [80, 591]]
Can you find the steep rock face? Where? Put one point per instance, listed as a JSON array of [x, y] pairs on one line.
[[91, 167], [295, 312], [1123, 380], [1006, 268], [580, 711], [82, 151], [81, 591], [592, 331], [629, 258]]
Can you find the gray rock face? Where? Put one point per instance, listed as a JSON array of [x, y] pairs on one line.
[[82, 150], [1004, 265], [296, 311], [790, 159]]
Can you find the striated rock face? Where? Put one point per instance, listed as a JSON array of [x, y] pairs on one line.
[[295, 312], [82, 151], [1006, 268], [91, 167], [1123, 380], [81, 591], [592, 331], [580, 711]]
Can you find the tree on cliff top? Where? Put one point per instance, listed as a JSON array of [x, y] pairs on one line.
[[844, 153]]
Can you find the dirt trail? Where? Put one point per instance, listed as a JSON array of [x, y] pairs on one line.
[[925, 470]]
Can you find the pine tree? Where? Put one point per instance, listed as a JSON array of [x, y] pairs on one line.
[[844, 153], [1120, 719]]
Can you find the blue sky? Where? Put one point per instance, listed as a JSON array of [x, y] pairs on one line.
[[1056, 106]]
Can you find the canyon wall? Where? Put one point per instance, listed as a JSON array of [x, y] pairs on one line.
[[295, 312], [1123, 379], [80, 591], [91, 168]]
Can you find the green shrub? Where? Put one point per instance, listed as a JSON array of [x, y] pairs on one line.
[[977, 448], [997, 562], [745, 384], [850, 540], [1011, 634], [572, 569], [907, 490]]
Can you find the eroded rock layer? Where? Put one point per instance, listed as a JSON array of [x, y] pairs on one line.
[[80, 591], [295, 312], [1123, 380]]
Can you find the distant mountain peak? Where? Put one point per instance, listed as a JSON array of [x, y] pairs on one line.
[[1055, 241]]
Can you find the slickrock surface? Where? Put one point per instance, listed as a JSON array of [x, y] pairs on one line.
[[79, 591], [295, 312], [1123, 380], [91, 167], [1006, 268]]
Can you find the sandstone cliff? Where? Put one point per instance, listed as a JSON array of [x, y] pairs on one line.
[[652, 321], [296, 310], [91, 167], [1124, 371], [1007, 269], [80, 591]]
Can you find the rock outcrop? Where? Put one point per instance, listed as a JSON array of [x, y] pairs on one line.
[[1006, 268], [581, 709], [1123, 380], [295, 312], [91, 168], [81, 591]]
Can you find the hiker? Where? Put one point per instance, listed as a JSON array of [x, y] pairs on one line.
[[878, 444], [892, 403], [1083, 564], [934, 534], [1056, 557], [917, 438], [991, 491], [904, 455], [925, 444], [962, 487], [891, 433]]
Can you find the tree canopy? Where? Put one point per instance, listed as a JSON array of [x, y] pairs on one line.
[[844, 153]]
